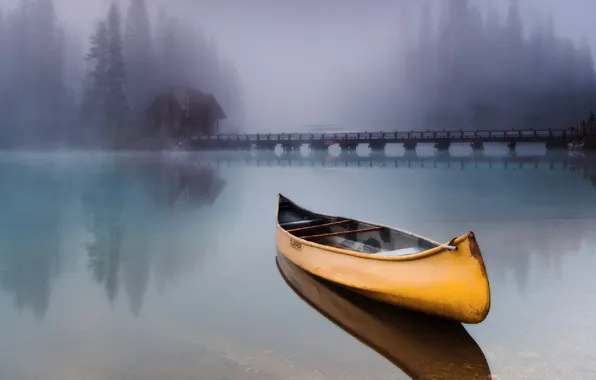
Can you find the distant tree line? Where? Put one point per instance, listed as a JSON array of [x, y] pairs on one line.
[[468, 69], [53, 91]]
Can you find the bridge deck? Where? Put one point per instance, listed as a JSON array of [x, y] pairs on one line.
[[379, 139], [400, 137]]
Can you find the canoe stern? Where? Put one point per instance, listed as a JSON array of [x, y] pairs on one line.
[[451, 284], [482, 284]]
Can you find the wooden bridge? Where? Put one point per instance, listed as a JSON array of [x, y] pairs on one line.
[[553, 138]]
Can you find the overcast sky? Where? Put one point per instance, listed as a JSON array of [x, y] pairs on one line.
[[291, 54]]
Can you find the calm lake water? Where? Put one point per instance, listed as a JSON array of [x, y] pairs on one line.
[[138, 266]]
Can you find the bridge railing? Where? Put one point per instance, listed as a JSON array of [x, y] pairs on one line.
[[387, 136]]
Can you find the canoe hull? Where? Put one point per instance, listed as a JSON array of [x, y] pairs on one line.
[[450, 284]]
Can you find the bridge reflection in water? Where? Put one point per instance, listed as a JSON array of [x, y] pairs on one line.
[[578, 162], [422, 346]]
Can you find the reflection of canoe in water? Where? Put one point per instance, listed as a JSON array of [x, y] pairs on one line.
[[423, 346], [387, 264]]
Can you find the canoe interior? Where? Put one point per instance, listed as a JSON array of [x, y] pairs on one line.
[[345, 233]]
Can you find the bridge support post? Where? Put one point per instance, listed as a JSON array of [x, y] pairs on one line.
[[410, 145], [233, 145], [556, 144], [477, 145], [317, 145], [266, 145], [348, 146], [290, 147], [224, 144], [210, 145], [443, 145], [377, 146]]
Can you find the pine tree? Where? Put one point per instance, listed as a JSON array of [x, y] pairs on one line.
[[3, 63], [139, 58], [116, 103], [2, 44], [3, 80], [46, 48], [161, 28], [95, 102]]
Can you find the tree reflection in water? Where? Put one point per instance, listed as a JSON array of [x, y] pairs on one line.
[[33, 202], [135, 211]]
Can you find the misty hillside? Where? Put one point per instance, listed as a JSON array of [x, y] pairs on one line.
[[53, 90], [472, 68], [374, 65]]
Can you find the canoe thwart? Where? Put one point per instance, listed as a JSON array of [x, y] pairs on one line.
[[300, 222], [345, 232], [402, 251], [320, 225], [450, 246]]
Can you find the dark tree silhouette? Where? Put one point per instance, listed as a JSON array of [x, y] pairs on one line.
[[94, 104], [116, 102], [34, 99], [139, 58]]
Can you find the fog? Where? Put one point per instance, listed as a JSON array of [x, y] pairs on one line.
[[470, 65], [279, 65]]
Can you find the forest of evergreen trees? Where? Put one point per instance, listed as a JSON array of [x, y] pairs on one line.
[[53, 91], [469, 69]]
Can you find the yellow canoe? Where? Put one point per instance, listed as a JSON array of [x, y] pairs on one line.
[[423, 346], [387, 264]]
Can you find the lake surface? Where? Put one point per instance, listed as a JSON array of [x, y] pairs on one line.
[[141, 266]]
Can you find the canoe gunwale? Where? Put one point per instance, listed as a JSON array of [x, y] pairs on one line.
[[440, 248]]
